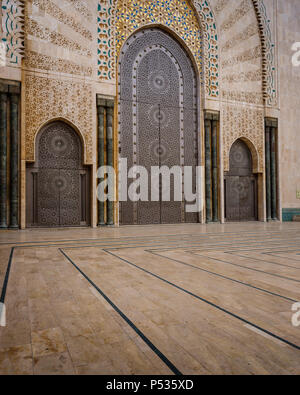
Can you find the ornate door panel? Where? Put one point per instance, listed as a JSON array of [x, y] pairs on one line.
[[147, 155], [240, 185], [48, 197], [171, 212], [232, 199], [69, 194], [55, 190], [157, 97]]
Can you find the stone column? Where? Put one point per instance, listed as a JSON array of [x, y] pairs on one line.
[[101, 160], [14, 161], [110, 154], [208, 186], [3, 156], [215, 192], [268, 172], [274, 173]]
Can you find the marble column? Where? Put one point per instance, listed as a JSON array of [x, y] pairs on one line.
[[14, 161], [274, 173], [101, 159], [215, 192], [268, 172], [3, 158], [208, 186], [110, 154]]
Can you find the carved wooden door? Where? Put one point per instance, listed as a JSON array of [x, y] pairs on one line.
[[158, 119], [240, 185], [57, 182]]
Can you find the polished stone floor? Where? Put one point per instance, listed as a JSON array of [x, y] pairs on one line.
[[190, 299]]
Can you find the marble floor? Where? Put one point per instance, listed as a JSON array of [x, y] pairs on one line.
[[188, 299]]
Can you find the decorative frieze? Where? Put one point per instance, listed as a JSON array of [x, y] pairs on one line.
[[44, 33], [39, 61], [268, 47], [106, 40], [52, 9], [82, 7], [13, 29], [128, 16]]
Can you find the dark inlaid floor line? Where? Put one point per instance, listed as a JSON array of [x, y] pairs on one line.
[[170, 365], [285, 257], [240, 246], [6, 278], [281, 251], [113, 247], [103, 244], [206, 301], [178, 235], [222, 276], [117, 246], [234, 253], [246, 267]]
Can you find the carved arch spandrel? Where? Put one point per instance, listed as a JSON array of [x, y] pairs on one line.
[[247, 124], [48, 99]]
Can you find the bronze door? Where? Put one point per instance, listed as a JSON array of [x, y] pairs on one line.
[[57, 184], [240, 185], [158, 119]]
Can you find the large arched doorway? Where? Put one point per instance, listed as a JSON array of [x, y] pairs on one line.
[[157, 118], [240, 185], [58, 183]]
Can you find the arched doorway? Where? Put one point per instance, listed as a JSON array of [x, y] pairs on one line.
[[58, 183], [158, 123], [240, 185]]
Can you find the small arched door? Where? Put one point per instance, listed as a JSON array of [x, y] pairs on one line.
[[240, 185], [58, 183]]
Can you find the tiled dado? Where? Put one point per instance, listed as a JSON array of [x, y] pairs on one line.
[[288, 214]]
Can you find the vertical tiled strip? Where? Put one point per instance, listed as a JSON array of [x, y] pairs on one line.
[[182, 142], [14, 158], [3, 156], [268, 172], [110, 155], [100, 112], [274, 173], [208, 189], [215, 206]]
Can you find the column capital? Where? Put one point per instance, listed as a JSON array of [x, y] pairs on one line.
[[271, 122], [110, 104], [211, 116], [3, 96], [207, 123], [101, 102], [3, 88]]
